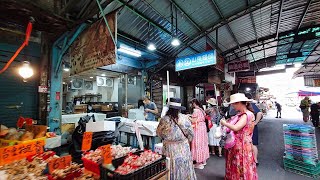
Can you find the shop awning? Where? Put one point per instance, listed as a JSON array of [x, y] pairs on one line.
[[308, 93]]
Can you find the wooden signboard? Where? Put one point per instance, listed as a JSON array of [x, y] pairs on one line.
[[94, 47]]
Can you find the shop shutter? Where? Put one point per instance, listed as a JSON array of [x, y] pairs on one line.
[[15, 92]]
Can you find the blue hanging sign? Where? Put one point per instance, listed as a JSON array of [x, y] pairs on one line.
[[207, 58]]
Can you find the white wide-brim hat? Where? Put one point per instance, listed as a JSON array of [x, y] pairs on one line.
[[212, 101], [238, 97]]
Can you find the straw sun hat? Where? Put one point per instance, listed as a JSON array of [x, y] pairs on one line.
[[238, 97], [212, 101]]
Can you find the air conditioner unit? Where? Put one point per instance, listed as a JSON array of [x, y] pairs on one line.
[[101, 81], [77, 84], [132, 80], [109, 82], [88, 85]]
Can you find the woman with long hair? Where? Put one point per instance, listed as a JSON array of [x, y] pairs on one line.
[[199, 145], [176, 132], [240, 163]]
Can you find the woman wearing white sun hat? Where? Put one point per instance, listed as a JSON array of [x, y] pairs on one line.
[[240, 163], [214, 114]]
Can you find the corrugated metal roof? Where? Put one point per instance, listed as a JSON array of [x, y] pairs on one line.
[[313, 14], [229, 7], [243, 29], [201, 11], [225, 38]]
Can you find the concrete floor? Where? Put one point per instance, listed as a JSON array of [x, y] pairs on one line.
[[271, 149]]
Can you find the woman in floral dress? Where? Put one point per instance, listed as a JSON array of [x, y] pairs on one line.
[[176, 132], [199, 145], [240, 162]]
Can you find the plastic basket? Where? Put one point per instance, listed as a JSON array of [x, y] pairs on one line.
[[315, 176], [91, 165], [309, 168], [301, 158], [145, 172]]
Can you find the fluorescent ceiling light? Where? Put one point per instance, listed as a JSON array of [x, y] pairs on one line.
[[175, 42], [151, 47], [103, 74], [91, 77], [130, 51]]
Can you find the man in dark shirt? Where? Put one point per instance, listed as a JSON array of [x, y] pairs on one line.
[[278, 109], [315, 114]]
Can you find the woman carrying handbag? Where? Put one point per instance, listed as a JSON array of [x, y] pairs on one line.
[[240, 162]]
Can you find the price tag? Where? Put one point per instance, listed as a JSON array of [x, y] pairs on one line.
[[107, 157], [12, 153], [86, 141], [59, 163]]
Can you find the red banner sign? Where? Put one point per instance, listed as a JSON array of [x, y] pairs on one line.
[[239, 66]]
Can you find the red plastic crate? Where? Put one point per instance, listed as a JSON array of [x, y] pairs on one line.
[[91, 166]]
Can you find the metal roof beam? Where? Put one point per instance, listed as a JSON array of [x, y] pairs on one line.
[[153, 23], [212, 28], [217, 9], [279, 18], [252, 21], [303, 15], [194, 23], [135, 11]]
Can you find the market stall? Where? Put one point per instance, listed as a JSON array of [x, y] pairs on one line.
[[98, 161]]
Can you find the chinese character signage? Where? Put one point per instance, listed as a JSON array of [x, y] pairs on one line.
[[94, 47], [9, 154], [207, 58], [239, 66]]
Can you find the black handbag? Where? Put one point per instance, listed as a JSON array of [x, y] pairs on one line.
[[98, 138]]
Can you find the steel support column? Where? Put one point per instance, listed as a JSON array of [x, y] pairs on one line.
[[56, 91]]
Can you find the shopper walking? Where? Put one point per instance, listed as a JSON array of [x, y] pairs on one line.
[[314, 113], [213, 112], [279, 108], [240, 159], [199, 145], [304, 106], [176, 132]]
